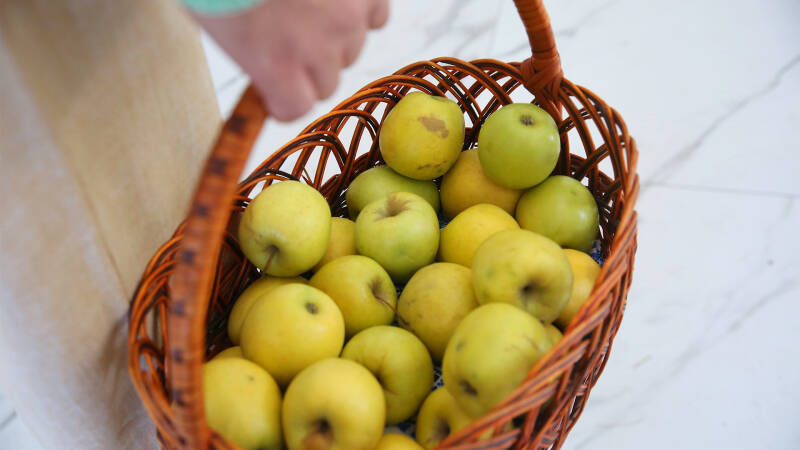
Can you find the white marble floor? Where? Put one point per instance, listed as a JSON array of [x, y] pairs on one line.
[[707, 354]]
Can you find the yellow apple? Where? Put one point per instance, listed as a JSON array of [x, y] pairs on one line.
[[585, 271], [400, 232], [343, 241], [394, 441], [461, 237], [524, 269], [433, 303], [439, 417], [290, 328], [242, 403], [247, 298], [230, 352], [518, 145], [401, 364], [334, 404], [362, 290], [466, 184], [562, 209], [422, 136], [380, 181], [553, 333], [285, 230], [490, 353]]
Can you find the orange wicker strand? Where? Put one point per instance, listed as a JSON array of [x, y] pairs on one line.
[[179, 311]]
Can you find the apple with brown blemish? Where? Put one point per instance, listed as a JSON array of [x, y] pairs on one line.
[[362, 290], [400, 232], [422, 136]]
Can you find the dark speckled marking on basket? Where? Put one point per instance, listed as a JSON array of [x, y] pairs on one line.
[[177, 355], [187, 256], [202, 210], [236, 124], [217, 166], [177, 397], [178, 307]]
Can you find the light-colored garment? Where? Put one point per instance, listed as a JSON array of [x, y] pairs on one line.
[[106, 112]]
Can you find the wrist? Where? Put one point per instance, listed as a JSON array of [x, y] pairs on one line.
[[220, 7]]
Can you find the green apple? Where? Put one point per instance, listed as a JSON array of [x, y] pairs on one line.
[[433, 303], [439, 417], [247, 298], [333, 404], [422, 136], [230, 352], [401, 364], [518, 145], [524, 269], [461, 237], [490, 354], [553, 333], [290, 328], [380, 181], [395, 441], [342, 242], [285, 230], [585, 271], [562, 209], [466, 184], [242, 403], [400, 232], [362, 290]]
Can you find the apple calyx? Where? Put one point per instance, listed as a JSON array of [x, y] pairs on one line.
[[320, 437], [467, 387], [528, 292], [526, 119], [442, 430], [311, 308], [272, 250]]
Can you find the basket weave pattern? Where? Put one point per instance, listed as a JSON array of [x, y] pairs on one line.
[[178, 319]]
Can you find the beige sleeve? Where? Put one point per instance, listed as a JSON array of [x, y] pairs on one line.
[[106, 112]]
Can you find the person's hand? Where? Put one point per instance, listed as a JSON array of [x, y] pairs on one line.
[[294, 50]]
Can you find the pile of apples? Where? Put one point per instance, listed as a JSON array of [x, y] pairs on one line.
[[327, 354]]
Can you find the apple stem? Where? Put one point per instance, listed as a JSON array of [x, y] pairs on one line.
[[394, 310], [272, 250]]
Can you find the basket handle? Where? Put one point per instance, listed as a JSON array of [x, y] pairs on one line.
[[541, 73], [190, 285]]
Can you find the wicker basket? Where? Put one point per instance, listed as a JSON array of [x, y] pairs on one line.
[[179, 312]]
